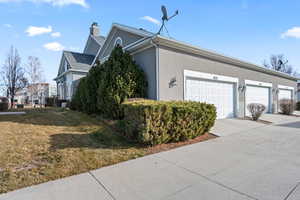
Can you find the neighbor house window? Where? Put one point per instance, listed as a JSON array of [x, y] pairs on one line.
[[118, 41]]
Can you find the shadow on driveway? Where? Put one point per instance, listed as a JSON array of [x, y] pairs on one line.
[[290, 125]]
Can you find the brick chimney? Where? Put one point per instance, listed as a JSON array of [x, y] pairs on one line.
[[94, 29]]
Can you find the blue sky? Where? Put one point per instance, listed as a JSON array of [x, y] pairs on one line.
[[250, 30]]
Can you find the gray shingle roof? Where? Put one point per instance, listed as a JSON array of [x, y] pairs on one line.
[[79, 61], [100, 39], [136, 30]]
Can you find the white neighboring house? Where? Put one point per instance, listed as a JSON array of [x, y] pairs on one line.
[[74, 65], [41, 92], [298, 91]]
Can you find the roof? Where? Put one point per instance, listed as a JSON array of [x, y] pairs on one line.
[[199, 51], [100, 39], [79, 61], [139, 31]]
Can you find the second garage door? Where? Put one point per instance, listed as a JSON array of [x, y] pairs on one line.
[[221, 94], [256, 94], [285, 94]]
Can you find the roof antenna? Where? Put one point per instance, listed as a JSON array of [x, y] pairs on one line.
[[165, 18]]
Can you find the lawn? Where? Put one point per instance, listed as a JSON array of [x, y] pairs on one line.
[[47, 144]]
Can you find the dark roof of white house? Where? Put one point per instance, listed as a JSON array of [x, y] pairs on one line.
[[79, 61]]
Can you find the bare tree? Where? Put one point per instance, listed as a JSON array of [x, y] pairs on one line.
[[279, 63], [35, 77], [13, 74]]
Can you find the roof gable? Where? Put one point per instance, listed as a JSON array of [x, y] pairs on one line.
[[128, 35], [75, 61], [93, 44]]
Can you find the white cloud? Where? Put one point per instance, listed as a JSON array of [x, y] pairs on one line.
[[54, 46], [7, 25], [151, 19], [55, 34], [35, 30], [53, 2], [293, 32]]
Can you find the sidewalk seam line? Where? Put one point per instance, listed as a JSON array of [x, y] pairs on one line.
[[102, 185], [209, 179], [292, 191]]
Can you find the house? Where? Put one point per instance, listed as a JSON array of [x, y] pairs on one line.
[[75, 65], [33, 94], [298, 90], [180, 71]]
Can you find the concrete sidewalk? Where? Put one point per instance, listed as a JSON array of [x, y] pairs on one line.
[[261, 163]]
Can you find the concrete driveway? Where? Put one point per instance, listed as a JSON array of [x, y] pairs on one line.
[[225, 127], [260, 163]]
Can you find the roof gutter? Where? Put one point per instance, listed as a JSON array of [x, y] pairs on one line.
[[156, 67], [71, 70]]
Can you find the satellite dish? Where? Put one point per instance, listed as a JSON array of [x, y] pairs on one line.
[[165, 13], [165, 18]]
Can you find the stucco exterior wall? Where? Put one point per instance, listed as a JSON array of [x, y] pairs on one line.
[[147, 61], [172, 64]]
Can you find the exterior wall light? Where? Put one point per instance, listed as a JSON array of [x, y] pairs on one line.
[[172, 82], [242, 88]]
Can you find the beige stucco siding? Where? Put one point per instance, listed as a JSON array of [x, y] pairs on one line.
[[172, 64]]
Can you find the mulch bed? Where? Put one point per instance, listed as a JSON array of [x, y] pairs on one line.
[[169, 146]]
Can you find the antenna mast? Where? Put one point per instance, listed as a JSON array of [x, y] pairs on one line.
[[165, 18]]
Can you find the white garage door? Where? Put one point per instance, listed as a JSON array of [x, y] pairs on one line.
[[256, 94], [284, 94], [220, 94]]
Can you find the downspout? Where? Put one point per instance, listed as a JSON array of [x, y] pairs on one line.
[[156, 67]]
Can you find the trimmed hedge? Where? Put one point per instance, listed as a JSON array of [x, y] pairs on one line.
[[158, 122]]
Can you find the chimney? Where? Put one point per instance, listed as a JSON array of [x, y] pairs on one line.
[[94, 29]]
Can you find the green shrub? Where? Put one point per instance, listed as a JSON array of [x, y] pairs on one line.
[[158, 122], [4, 104], [286, 106], [51, 101], [79, 99], [92, 85], [298, 105], [108, 85], [121, 78]]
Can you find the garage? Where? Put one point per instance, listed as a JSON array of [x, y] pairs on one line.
[[285, 92], [258, 92], [212, 89]]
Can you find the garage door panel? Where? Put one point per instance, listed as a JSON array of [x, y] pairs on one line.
[[256, 94], [284, 94], [220, 94]]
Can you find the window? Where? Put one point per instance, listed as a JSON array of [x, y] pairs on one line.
[[118, 41]]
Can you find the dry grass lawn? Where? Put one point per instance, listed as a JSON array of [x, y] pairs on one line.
[[51, 143], [47, 144]]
